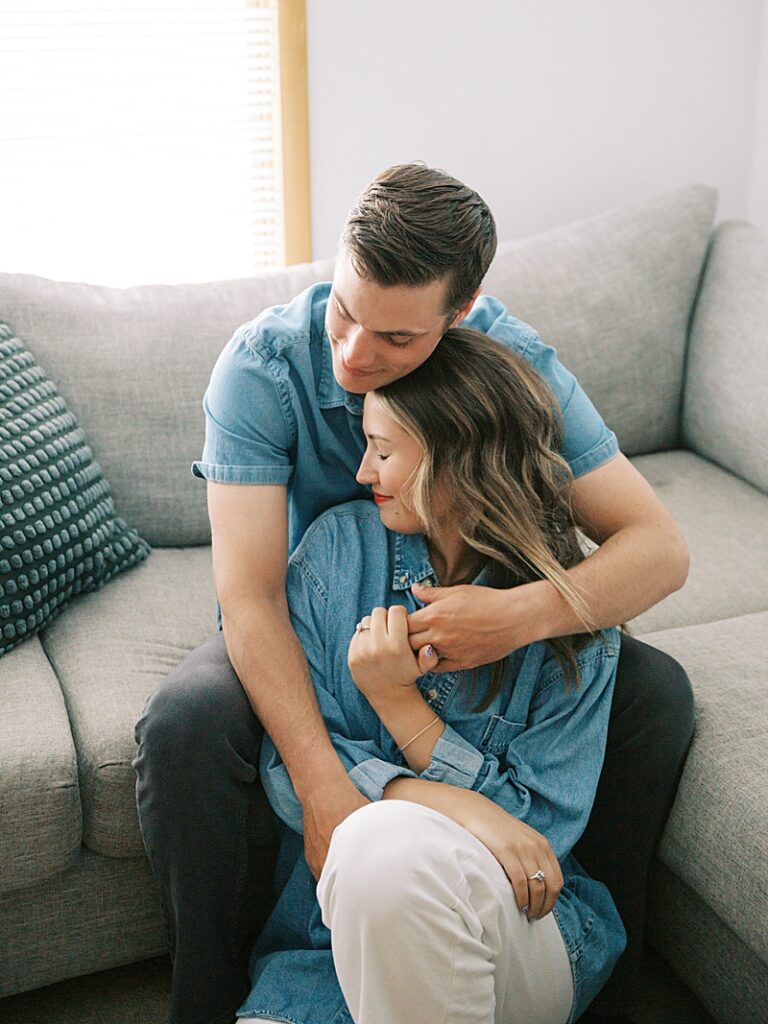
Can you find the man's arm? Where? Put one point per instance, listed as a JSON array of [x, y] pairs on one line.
[[643, 555], [249, 527], [642, 558]]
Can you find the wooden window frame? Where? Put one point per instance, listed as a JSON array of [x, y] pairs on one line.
[[297, 214]]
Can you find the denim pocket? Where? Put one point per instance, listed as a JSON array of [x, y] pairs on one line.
[[499, 733]]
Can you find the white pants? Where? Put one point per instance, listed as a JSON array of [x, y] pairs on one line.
[[425, 928]]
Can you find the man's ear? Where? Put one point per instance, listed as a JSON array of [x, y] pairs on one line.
[[464, 311]]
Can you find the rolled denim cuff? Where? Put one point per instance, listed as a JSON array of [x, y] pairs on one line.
[[371, 776], [454, 761]]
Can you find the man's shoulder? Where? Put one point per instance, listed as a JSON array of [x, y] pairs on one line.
[[492, 317], [277, 330]]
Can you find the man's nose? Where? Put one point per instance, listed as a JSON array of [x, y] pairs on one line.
[[358, 352]]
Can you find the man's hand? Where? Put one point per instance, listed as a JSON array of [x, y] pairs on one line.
[[381, 661], [325, 808], [473, 625]]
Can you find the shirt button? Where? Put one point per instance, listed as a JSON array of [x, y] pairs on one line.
[[404, 578], [432, 694]]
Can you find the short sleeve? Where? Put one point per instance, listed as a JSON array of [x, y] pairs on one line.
[[588, 442], [248, 424]]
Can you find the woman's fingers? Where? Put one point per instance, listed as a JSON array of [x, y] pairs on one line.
[[537, 891], [515, 872]]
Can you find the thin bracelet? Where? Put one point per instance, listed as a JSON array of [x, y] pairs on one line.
[[410, 741]]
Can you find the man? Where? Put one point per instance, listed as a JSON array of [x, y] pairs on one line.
[[283, 442]]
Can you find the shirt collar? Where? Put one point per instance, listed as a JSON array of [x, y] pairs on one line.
[[412, 564]]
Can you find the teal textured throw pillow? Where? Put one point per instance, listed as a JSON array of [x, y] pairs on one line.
[[59, 532]]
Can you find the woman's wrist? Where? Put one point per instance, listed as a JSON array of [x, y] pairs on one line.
[[404, 720]]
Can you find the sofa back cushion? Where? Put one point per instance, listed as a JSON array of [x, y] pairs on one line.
[[614, 294], [132, 365], [725, 413]]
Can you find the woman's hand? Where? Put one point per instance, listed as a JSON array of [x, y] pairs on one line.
[[381, 661], [520, 849]]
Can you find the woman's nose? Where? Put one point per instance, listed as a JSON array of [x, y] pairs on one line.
[[364, 473]]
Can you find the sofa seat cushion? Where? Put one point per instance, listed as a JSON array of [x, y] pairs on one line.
[[725, 521], [110, 651], [716, 839], [40, 817]]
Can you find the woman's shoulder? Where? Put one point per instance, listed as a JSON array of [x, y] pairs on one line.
[[352, 530]]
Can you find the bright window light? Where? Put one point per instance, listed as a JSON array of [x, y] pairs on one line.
[[139, 142]]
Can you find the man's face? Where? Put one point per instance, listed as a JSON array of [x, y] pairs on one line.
[[380, 334]]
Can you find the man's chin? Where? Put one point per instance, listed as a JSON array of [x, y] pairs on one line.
[[356, 385]]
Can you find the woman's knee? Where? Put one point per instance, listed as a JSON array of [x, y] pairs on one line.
[[200, 702], [392, 853]]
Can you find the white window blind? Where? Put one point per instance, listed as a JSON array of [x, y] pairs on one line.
[[139, 142]]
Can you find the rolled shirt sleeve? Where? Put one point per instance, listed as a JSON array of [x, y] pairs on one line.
[[249, 427]]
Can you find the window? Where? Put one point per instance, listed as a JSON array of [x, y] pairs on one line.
[[143, 142]]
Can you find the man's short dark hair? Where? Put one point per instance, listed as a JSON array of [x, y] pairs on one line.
[[414, 224]]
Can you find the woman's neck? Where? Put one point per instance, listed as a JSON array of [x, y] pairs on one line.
[[453, 560]]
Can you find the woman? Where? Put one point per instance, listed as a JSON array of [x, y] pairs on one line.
[[452, 897]]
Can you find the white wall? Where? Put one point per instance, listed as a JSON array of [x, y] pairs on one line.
[[758, 197], [552, 110]]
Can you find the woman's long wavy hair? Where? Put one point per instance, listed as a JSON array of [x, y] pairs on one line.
[[491, 431]]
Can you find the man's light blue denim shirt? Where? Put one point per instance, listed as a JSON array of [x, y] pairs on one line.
[[275, 413], [537, 751]]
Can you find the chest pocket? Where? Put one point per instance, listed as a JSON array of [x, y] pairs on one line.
[[499, 734]]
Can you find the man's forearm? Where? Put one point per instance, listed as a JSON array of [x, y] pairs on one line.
[[630, 572], [272, 667]]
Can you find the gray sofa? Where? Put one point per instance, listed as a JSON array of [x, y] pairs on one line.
[[664, 322]]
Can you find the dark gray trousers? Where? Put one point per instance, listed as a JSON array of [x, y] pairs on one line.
[[210, 834]]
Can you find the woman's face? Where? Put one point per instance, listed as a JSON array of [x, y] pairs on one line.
[[389, 460]]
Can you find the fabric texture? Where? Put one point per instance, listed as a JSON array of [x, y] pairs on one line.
[[613, 294], [110, 652], [726, 975], [134, 363], [40, 814], [99, 913], [405, 884], [716, 840], [725, 415], [61, 535], [725, 522]]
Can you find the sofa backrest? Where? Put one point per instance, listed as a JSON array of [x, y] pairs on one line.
[[133, 364], [614, 295], [725, 413]]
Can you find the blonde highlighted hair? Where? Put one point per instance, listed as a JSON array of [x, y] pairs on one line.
[[491, 431]]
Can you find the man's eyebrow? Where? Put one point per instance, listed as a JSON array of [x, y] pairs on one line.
[[403, 334]]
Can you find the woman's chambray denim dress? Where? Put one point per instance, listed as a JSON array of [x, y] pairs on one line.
[[536, 751]]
